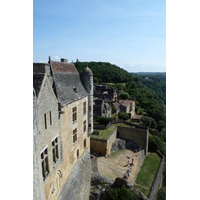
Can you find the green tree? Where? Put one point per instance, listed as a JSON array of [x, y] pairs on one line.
[[96, 80], [120, 86], [104, 120], [161, 125], [155, 143], [148, 121], [124, 95], [161, 194], [123, 116], [113, 108], [163, 132], [119, 194]]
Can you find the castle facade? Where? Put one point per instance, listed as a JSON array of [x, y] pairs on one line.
[[62, 125]]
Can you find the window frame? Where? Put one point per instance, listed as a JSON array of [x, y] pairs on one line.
[[84, 108], [55, 150], [50, 118], [84, 143], [45, 120], [75, 136], [74, 114], [84, 126], [45, 162]]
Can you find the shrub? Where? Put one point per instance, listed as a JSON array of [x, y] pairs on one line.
[[149, 121], [123, 116], [161, 125], [104, 120], [162, 194], [155, 143], [113, 108], [96, 132], [124, 95], [119, 194], [163, 137]]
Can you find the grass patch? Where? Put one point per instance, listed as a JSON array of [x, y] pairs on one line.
[[105, 133], [147, 173], [124, 125]]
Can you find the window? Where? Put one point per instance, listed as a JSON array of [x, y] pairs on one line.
[[77, 153], [50, 117], [84, 143], [75, 90], [89, 125], [74, 136], [84, 126], [84, 108], [74, 115], [45, 165], [55, 150], [45, 120]]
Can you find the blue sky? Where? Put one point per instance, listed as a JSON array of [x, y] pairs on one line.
[[128, 33]]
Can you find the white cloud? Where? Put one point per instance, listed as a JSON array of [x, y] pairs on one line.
[[57, 57]]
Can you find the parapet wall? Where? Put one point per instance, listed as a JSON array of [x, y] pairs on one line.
[[138, 135], [103, 146], [157, 180]]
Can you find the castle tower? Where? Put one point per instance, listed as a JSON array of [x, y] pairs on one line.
[[87, 80]]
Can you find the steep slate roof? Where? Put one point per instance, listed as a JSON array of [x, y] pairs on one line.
[[63, 67], [87, 72], [68, 85], [37, 82]]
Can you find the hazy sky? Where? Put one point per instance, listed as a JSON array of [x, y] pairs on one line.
[[128, 33]]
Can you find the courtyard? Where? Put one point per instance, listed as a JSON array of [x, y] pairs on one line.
[[116, 165]]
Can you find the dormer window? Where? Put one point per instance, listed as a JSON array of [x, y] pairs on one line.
[[75, 89]]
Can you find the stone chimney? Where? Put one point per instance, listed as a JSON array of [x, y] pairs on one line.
[[64, 60]]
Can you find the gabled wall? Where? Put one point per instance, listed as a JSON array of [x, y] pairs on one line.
[[47, 102]]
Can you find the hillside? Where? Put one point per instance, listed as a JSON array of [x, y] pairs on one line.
[[105, 72], [155, 81], [148, 101]]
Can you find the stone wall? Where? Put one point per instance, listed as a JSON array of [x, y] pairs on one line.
[[157, 182], [138, 135], [38, 192], [77, 186], [101, 146], [110, 140], [61, 127]]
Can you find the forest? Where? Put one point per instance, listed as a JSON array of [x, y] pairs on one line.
[[150, 94]]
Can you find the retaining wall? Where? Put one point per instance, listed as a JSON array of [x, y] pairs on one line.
[[157, 182], [138, 135], [103, 146]]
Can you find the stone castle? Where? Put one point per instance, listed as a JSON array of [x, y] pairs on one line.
[[62, 125]]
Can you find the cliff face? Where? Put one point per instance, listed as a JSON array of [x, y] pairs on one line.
[[77, 186]]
